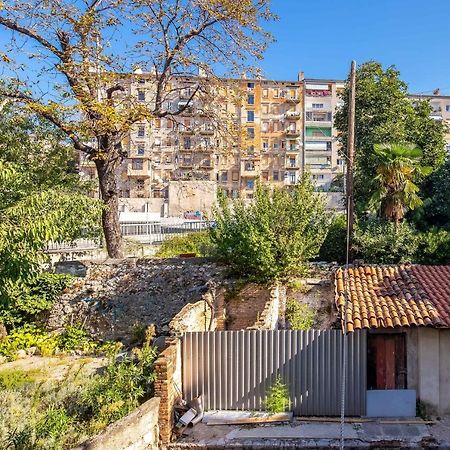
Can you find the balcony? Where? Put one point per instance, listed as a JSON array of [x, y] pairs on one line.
[[292, 165], [293, 149], [317, 93], [292, 98], [186, 131], [143, 172], [249, 170], [206, 164], [293, 133], [185, 164], [292, 114], [208, 131]]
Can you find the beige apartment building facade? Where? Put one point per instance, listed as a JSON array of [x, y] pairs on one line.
[[281, 129]]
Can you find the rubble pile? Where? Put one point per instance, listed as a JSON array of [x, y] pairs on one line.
[[116, 300]]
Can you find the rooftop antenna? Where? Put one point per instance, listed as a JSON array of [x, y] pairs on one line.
[[349, 202]]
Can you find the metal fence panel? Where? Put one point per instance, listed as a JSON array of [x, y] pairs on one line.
[[234, 369]]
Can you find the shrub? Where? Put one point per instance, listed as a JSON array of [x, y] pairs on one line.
[[275, 235], [381, 242], [26, 337], [198, 243], [299, 315], [277, 397], [121, 388], [26, 299], [334, 246], [75, 337], [433, 247]]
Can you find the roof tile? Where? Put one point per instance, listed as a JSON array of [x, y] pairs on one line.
[[394, 296]]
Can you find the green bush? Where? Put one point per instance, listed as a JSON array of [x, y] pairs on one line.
[[27, 299], [122, 387], [198, 243], [277, 397], [381, 242], [299, 315], [74, 337], [26, 337], [433, 247], [334, 246], [275, 235]]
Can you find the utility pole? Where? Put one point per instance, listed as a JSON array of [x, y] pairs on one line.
[[351, 155]]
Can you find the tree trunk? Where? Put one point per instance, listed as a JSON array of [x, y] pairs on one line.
[[110, 215]]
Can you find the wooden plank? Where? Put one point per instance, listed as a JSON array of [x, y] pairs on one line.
[[400, 361], [390, 362], [380, 361], [280, 417]]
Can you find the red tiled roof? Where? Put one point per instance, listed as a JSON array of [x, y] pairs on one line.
[[394, 296]]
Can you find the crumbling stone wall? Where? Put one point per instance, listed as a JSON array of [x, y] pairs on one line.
[[112, 298], [269, 318], [137, 431], [168, 386]]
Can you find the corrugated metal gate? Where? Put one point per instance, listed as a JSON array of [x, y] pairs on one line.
[[234, 369]]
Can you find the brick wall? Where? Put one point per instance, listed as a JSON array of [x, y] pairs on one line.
[[168, 386]]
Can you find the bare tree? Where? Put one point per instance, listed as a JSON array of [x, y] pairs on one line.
[[73, 62]]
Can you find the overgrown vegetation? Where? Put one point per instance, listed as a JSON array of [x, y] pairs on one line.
[[299, 315], [45, 414], [275, 235], [73, 338], [198, 243], [277, 397]]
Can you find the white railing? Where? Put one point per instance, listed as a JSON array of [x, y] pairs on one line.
[[143, 232]]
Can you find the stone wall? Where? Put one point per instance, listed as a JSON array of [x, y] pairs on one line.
[[137, 431], [273, 311], [168, 387], [191, 196]]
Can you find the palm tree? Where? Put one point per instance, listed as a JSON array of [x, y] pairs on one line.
[[398, 167]]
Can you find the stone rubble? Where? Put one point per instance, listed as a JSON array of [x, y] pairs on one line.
[[116, 299]]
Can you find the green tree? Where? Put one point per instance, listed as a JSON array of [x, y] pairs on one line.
[[384, 113], [275, 235], [398, 166], [40, 201], [85, 54], [435, 210]]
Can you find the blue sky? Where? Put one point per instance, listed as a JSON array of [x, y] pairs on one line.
[[321, 37]]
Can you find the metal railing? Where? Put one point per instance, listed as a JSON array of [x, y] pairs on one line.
[[144, 232]]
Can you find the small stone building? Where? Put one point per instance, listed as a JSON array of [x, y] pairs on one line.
[[406, 310]]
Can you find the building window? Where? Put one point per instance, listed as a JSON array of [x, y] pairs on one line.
[[275, 93], [250, 184], [447, 108], [251, 85], [249, 166], [250, 116], [235, 193], [141, 81], [140, 184], [250, 133], [250, 99], [169, 123], [292, 177], [141, 96], [224, 177], [265, 127], [235, 176], [275, 109], [141, 131], [276, 175], [265, 108], [187, 143], [250, 149], [276, 145], [140, 149], [157, 123], [265, 176], [292, 162], [265, 146], [317, 105], [265, 93], [137, 164]]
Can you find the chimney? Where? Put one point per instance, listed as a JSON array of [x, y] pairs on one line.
[[301, 76]]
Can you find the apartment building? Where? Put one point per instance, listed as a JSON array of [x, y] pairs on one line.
[[440, 105], [247, 130]]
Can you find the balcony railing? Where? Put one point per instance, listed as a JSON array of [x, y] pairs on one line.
[[292, 133]]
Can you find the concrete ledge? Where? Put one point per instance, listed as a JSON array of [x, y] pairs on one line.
[[137, 431]]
